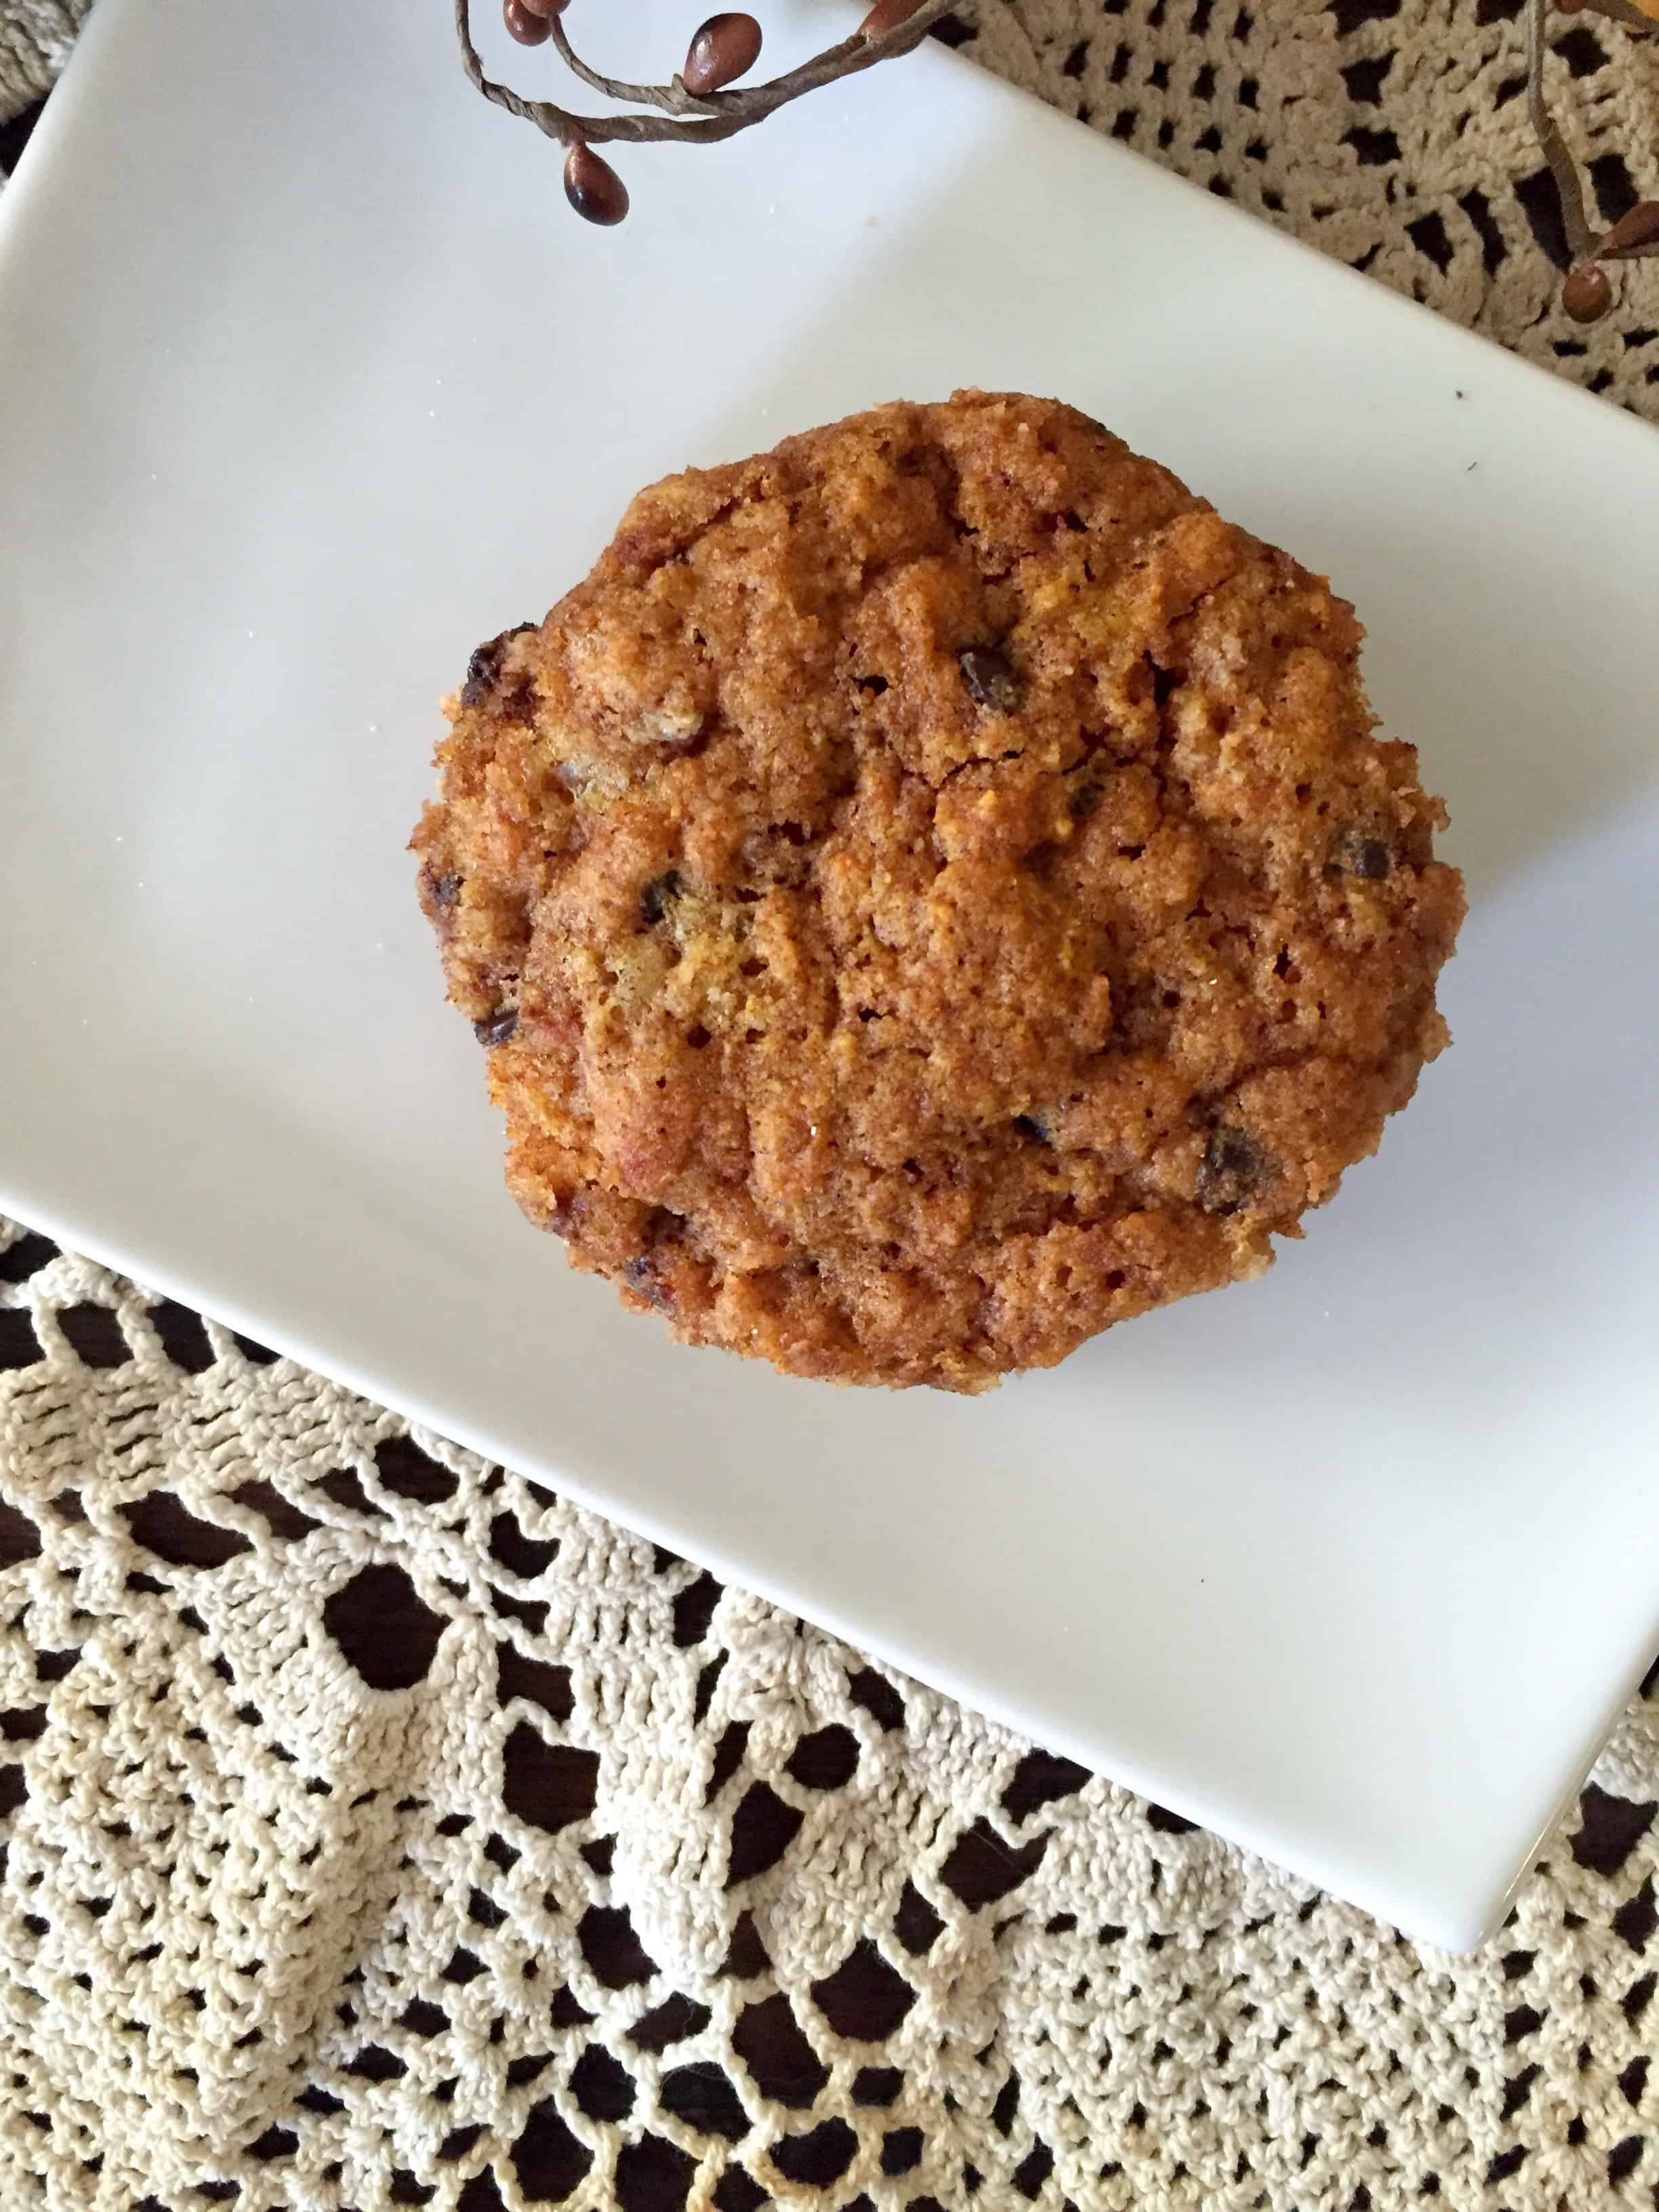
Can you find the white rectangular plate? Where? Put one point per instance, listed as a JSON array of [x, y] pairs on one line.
[[309, 380]]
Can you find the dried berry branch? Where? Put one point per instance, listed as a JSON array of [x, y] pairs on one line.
[[700, 107], [1587, 290], [695, 107]]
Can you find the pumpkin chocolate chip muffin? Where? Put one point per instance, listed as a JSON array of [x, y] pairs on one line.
[[934, 891]]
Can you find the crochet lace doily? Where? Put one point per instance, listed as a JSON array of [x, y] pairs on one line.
[[1391, 133], [379, 1829], [35, 37]]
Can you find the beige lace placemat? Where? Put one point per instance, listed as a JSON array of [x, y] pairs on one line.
[[379, 1829], [1391, 133], [35, 37]]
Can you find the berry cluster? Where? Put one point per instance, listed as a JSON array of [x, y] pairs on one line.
[[698, 105]]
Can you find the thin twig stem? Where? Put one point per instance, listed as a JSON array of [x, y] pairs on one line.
[[681, 116], [1563, 169]]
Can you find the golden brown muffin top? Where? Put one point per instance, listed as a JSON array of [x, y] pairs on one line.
[[932, 891]]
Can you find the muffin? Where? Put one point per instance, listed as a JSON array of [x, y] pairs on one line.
[[934, 891]]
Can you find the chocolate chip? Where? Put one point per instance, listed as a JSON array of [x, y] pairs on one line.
[[990, 678], [438, 893], [496, 1028], [657, 894], [484, 670], [518, 702], [646, 1271], [1084, 801], [1033, 1126], [1357, 855], [1232, 1171]]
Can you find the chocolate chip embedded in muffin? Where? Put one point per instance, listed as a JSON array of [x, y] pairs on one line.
[[932, 892], [1355, 854], [496, 1029], [438, 895], [1231, 1172], [483, 670], [657, 896], [990, 678]]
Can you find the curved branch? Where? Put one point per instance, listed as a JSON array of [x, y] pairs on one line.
[[674, 98], [682, 117]]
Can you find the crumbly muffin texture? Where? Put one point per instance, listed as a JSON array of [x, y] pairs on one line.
[[934, 891]]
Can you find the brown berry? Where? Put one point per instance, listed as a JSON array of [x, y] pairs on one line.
[[722, 51], [524, 23], [1636, 231], [1587, 294], [593, 188], [547, 8], [887, 15]]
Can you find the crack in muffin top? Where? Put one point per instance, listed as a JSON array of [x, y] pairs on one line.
[[932, 891]]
